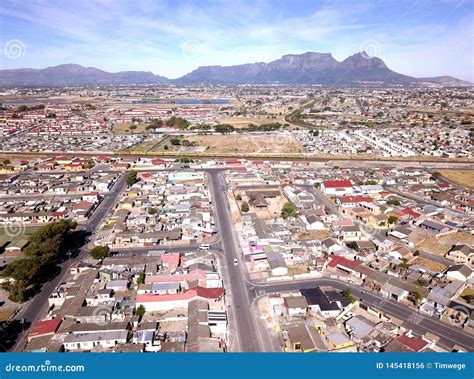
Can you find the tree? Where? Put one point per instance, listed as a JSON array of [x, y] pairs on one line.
[[288, 210], [352, 245], [140, 311], [244, 207], [151, 211], [90, 164], [317, 185], [178, 122], [141, 278], [238, 197], [155, 123], [416, 295], [347, 293], [395, 202], [392, 220], [100, 252], [405, 265], [224, 128], [416, 253], [422, 282], [370, 182], [132, 128], [131, 178], [47, 247], [18, 291], [175, 141]]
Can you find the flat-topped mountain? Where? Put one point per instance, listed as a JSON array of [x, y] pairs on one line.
[[307, 68]]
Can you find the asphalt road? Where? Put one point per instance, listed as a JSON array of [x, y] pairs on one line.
[[243, 316], [420, 324]]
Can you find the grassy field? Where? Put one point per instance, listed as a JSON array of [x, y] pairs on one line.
[[27, 231], [122, 128], [463, 178], [143, 146], [8, 235], [243, 122]]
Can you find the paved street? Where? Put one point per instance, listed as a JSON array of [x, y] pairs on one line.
[[241, 309]]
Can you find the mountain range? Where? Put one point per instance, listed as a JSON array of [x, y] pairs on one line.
[[304, 69]]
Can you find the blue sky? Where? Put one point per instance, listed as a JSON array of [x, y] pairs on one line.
[[171, 38]]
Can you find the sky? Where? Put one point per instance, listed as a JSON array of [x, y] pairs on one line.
[[419, 37]]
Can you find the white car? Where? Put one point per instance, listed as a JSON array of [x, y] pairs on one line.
[[236, 263], [205, 246]]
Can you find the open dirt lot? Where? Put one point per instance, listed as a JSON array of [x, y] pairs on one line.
[[257, 143], [463, 178], [441, 245], [429, 264]]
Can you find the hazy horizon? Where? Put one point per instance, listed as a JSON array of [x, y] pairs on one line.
[[174, 38]]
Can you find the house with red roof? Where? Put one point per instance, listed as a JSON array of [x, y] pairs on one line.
[[337, 187], [145, 176], [411, 214], [158, 162], [338, 264], [83, 209], [170, 261], [44, 327], [352, 201], [196, 275], [406, 343], [155, 303], [104, 159]]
